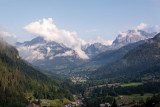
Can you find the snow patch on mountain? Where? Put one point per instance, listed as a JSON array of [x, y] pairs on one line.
[[101, 41], [141, 32]]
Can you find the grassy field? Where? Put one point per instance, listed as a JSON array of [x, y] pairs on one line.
[[99, 86], [132, 84], [134, 97], [54, 103], [122, 85]]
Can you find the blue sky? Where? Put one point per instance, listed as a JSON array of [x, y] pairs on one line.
[[89, 18]]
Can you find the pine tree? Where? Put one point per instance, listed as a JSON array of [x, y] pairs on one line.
[[114, 104]]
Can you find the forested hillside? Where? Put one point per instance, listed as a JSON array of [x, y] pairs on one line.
[[20, 81], [105, 58], [136, 63]]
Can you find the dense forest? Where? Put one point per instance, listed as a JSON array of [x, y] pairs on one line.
[[107, 94], [19, 81]]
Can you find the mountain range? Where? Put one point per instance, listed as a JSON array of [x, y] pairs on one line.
[[134, 56], [138, 62], [57, 57], [131, 36]]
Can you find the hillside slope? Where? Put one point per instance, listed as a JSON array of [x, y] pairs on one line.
[[18, 78], [136, 63], [105, 58]]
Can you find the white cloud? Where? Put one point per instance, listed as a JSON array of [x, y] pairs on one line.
[[135, 31], [123, 34], [29, 53], [67, 53], [48, 30], [6, 34], [146, 28], [10, 38], [102, 41], [142, 26]]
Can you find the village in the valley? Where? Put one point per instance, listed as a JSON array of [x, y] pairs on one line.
[[78, 99], [79, 79]]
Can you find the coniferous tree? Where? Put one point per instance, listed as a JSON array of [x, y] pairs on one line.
[[114, 104]]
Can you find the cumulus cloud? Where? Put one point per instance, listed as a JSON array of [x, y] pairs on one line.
[[146, 28], [30, 53], [102, 41], [10, 38], [67, 53], [48, 30], [142, 26], [135, 31]]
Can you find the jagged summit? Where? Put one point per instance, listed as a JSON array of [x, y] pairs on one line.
[[132, 36]]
